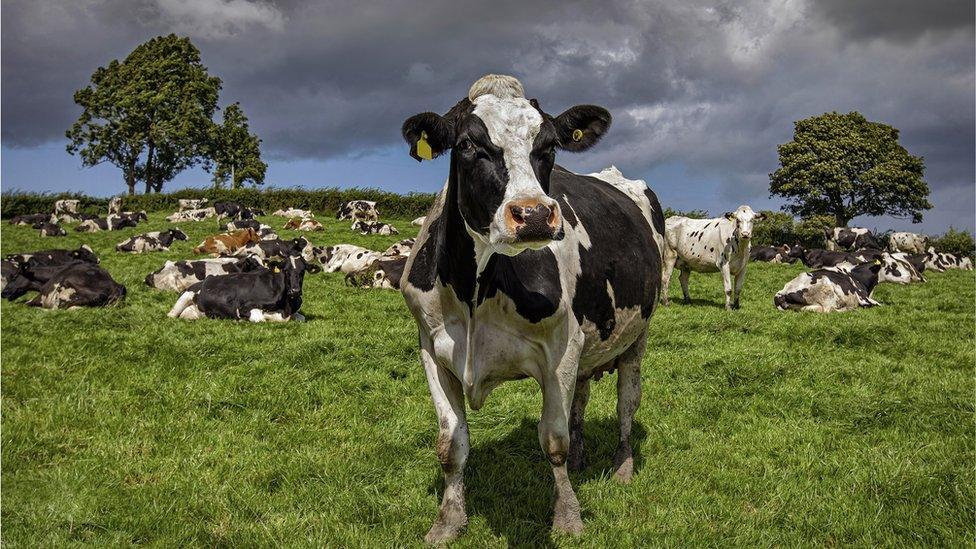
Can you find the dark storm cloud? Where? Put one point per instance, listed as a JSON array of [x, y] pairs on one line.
[[712, 86]]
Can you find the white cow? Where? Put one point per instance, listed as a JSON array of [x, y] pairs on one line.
[[345, 258], [907, 242], [719, 244]]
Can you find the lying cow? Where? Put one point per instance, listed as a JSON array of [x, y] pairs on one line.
[[849, 238], [155, 241], [384, 273], [304, 224], [898, 269], [294, 212], [191, 203], [192, 215], [50, 229], [708, 246], [30, 275], [110, 223], [830, 290], [135, 216], [363, 210], [32, 219], [419, 222], [269, 294], [345, 258], [772, 254], [374, 227], [79, 284], [264, 231], [401, 248], [234, 210], [279, 248], [817, 258], [180, 275], [940, 262], [227, 243], [910, 243], [867, 254], [56, 256]]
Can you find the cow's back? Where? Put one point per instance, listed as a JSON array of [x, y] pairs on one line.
[[698, 243]]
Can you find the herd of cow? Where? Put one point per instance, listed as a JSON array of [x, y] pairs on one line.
[[250, 274]]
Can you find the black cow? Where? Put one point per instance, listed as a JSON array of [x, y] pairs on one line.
[[545, 273], [31, 219], [772, 254], [50, 229], [56, 256], [78, 284], [822, 258], [273, 294], [235, 210]]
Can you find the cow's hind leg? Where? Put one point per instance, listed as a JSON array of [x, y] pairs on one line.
[[452, 448], [670, 259], [685, 274], [628, 400], [577, 455]]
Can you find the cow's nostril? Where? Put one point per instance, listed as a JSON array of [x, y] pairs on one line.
[[517, 215], [551, 220]]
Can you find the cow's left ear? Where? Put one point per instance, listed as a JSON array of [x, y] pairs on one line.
[[729, 215], [428, 134], [580, 127]]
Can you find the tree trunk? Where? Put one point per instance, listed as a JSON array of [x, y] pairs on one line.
[[840, 220], [130, 178]]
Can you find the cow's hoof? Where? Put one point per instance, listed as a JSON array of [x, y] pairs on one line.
[[686, 301], [566, 515], [449, 524], [623, 463]]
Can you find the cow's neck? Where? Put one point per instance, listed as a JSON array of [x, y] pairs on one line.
[[863, 274], [456, 262]]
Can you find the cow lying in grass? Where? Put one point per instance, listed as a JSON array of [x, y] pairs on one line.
[[264, 231], [345, 258], [271, 294], [110, 223], [817, 258], [192, 215], [267, 249], [303, 224], [374, 227], [358, 209], [384, 272], [403, 247], [155, 241], [294, 212], [78, 284], [830, 290], [939, 262], [227, 243], [177, 276], [17, 274], [50, 229], [32, 219], [772, 254]]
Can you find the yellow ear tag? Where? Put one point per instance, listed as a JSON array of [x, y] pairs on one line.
[[423, 147], [276, 269], [577, 135]]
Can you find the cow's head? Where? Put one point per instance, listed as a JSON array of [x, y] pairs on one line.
[[85, 253], [743, 218], [177, 234], [503, 148]]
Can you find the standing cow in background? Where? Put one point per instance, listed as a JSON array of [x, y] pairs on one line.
[[362, 210], [708, 246], [849, 239], [909, 243], [115, 205], [525, 269], [191, 204], [66, 207]]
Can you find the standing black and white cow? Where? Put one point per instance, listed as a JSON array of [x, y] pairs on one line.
[[115, 205], [910, 243], [155, 241], [525, 269], [364, 210], [718, 245], [273, 294], [850, 238]]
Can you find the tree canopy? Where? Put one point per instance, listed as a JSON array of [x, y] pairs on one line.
[[150, 115], [844, 165], [235, 151]]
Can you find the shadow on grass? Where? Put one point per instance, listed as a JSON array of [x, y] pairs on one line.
[[509, 482], [680, 302]]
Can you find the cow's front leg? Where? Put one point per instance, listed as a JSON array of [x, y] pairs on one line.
[[740, 279], [452, 449], [727, 284], [557, 397]]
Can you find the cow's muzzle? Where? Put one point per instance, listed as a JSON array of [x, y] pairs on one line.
[[534, 221]]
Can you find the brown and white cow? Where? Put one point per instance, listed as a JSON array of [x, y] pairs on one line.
[[304, 224], [227, 243]]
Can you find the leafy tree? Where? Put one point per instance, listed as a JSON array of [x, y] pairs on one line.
[[693, 214], [955, 242], [773, 229], [149, 114], [235, 151], [844, 165]]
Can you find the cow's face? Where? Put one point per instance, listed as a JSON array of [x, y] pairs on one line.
[[178, 234], [294, 275], [503, 149], [743, 218]]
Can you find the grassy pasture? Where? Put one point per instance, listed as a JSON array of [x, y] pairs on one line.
[[121, 426]]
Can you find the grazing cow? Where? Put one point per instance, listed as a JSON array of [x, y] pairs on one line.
[[264, 231], [374, 227], [192, 215], [266, 249], [33, 219], [419, 222], [294, 212], [850, 238], [56, 256], [110, 223], [525, 269], [897, 268], [270, 294], [227, 243], [191, 204], [66, 207], [772, 254], [345, 258], [50, 229], [115, 205], [402, 247], [364, 210], [180, 275], [306, 224], [910, 243], [155, 241], [708, 246], [830, 290], [816, 259], [79, 284]]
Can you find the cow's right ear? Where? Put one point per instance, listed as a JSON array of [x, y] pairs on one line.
[[729, 215], [428, 134]]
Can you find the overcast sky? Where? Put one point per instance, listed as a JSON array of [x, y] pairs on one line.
[[701, 92]]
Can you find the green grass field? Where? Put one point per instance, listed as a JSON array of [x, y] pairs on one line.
[[757, 428]]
